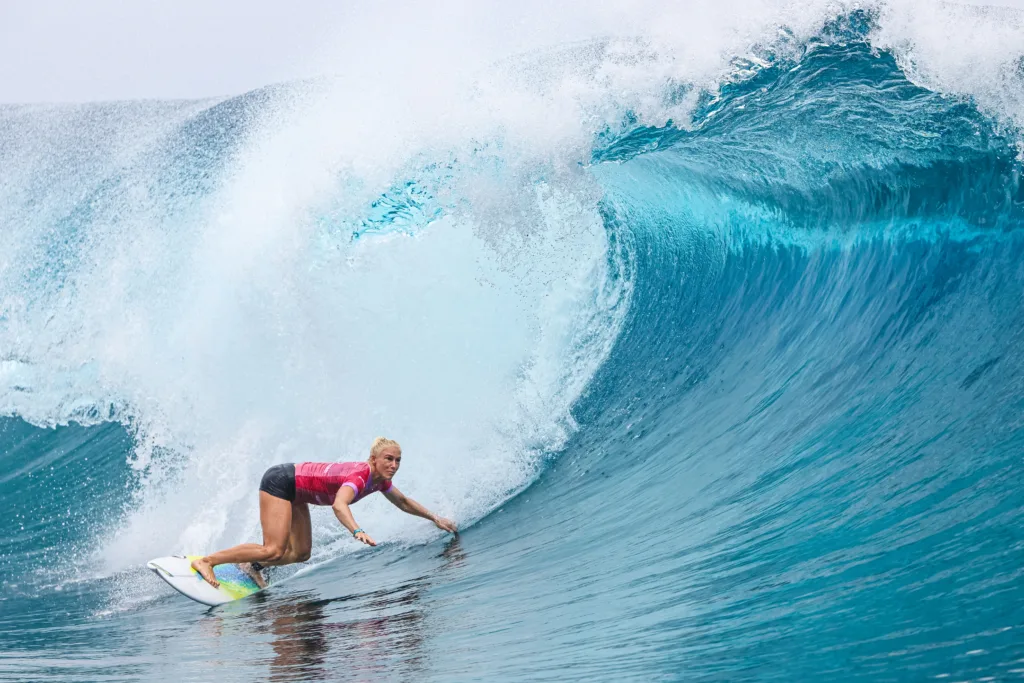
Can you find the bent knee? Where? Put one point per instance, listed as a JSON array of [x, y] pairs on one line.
[[273, 553], [302, 556]]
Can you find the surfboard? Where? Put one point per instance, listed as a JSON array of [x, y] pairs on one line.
[[177, 571]]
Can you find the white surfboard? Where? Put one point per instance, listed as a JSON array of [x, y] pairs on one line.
[[177, 571]]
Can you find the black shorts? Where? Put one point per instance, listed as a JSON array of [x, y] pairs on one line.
[[279, 481]]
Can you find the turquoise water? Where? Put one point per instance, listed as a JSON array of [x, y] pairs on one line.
[[739, 400]]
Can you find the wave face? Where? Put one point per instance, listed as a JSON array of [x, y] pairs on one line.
[[734, 399]]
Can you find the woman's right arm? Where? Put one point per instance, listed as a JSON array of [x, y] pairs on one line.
[[344, 514]]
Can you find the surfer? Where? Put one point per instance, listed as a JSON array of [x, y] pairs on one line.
[[287, 491]]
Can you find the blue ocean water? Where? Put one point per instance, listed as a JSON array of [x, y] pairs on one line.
[[772, 431]]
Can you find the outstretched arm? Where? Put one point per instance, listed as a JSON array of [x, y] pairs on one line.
[[344, 514], [406, 504]]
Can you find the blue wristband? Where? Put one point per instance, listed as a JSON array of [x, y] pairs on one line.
[[358, 531]]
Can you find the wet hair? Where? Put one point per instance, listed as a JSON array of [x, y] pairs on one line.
[[380, 443]]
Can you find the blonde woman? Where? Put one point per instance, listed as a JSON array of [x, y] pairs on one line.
[[287, 491]]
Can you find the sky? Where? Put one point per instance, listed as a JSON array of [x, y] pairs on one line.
[[59, 50], [74, 51], [95, 50]]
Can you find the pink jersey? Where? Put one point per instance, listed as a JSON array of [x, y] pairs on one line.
[[317, 483]]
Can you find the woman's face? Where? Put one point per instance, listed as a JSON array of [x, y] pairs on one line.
[[386, 461]]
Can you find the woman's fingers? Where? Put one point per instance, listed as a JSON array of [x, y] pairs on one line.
[[446, 524], [365, 538]]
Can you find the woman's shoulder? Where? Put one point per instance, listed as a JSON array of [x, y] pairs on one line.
[[362, 468], [332, 468]]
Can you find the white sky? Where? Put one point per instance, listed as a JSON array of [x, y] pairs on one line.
[[75, 50], [81, 50], [88, 50]]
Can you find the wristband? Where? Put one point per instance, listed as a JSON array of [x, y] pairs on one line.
[[358, 531]]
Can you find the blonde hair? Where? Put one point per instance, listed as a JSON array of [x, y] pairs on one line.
[[380, 443]]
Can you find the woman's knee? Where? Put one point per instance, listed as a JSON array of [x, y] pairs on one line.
[[273, 553], [302, 555]]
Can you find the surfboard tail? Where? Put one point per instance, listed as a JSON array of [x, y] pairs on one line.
[[177, 572]]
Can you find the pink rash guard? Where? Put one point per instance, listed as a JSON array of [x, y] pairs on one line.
[[317, 483]]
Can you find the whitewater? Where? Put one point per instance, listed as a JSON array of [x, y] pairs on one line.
[[704, 323]]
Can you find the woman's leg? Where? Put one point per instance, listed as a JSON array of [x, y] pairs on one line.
[[300, 540], [276, 519]]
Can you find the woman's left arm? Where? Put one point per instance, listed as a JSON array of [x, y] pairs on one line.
[[406, 504]]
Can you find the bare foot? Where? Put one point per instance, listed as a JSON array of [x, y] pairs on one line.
[[254, 573], [206, 571]]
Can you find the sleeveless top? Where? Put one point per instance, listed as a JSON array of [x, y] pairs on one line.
[[318, 483]]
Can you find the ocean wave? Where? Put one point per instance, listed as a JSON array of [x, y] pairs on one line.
[[716, 360]]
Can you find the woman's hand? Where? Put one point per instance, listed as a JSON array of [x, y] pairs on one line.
[[364, 537], [446, 524]]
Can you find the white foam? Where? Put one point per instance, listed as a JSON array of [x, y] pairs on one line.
[[966, 51]]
